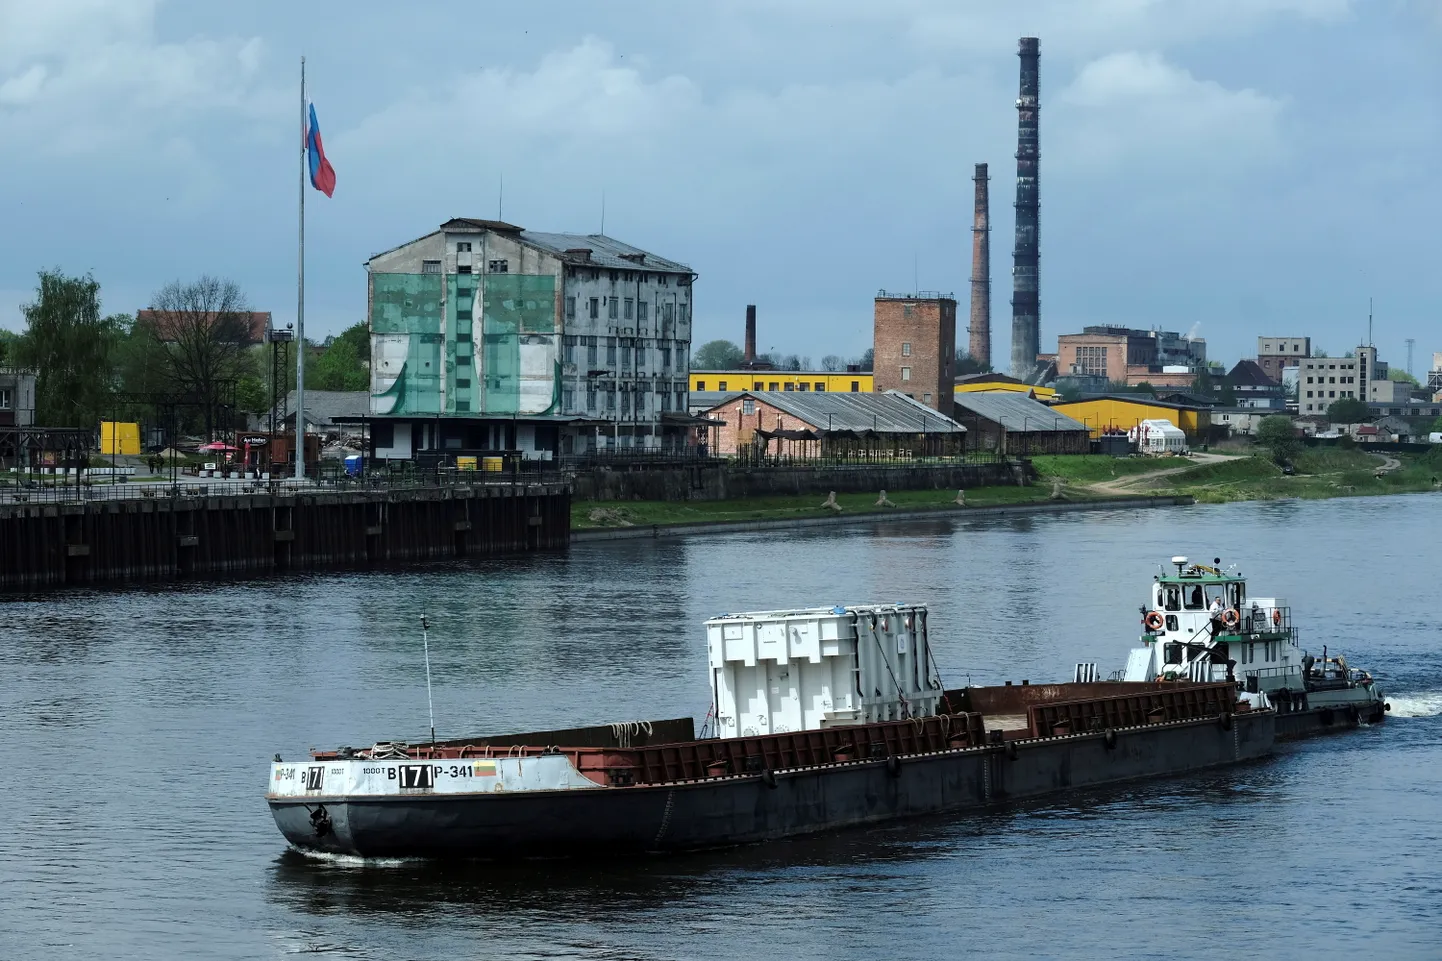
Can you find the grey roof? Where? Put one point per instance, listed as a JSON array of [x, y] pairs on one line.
[[1016, 412], [889, 413], [322, 407], [707, 399], [605, 251]]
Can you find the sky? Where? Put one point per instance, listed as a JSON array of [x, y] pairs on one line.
[[1228, 167]]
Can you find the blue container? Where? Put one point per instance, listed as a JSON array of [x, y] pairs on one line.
[[353, 464]]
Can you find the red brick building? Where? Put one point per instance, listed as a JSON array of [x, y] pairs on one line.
[[811, 425], [914, 343]]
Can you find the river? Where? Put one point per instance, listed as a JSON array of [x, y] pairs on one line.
[[137, 727]]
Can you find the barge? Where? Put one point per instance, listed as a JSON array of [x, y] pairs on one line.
[[824, 718]]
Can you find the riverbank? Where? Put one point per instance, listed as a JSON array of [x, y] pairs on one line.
[[910, 505]]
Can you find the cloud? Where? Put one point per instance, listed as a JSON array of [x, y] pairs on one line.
[[78, 77], [1135, 109]]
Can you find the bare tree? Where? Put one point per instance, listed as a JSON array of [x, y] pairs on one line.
[[833, 363], [204, 328]]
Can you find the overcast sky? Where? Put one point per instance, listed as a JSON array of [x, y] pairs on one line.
[[1234, 166]]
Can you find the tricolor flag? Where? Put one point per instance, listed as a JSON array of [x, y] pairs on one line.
[[322, 174]]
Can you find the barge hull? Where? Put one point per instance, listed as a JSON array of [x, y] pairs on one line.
[[739, 809]]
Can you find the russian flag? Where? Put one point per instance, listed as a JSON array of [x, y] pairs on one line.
[[322, 174]]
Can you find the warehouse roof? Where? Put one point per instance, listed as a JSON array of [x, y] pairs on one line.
[[889, 413], [1016, 412], [1145, 400], [591, 250]]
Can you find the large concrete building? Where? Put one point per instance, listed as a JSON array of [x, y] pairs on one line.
[[914, 346], [1322, 381], [17, 397], [1162, 358], [489, 337], [1275, 354]]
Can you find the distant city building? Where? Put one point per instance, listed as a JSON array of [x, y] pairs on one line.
[[1130, 356], [915, 346], [827, 425], [1123, 412], [1434, 376], [1012, 423], [17, 397], [820, 381], [1251, 387], [489, 337], [1002, 383], [1322, 381], [1274, 354]]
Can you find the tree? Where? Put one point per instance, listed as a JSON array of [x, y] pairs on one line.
[[1145, 388], [805, 363], [204, 329], [69, 345], [9, 342], [833, 363], [867, 359], [789, 362], [1278, 436], [343, 363], [967, 364], [717, 355], [1401, 376], [1348, 410], [1437, 426], [1319, 352]]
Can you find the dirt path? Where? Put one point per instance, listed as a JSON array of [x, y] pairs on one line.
[[1389, 463], [1124, 485]]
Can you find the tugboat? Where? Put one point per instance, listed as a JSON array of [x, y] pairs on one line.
[[823, 718], [1201, 626]]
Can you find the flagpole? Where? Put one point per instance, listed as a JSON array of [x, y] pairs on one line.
[[300, 299]]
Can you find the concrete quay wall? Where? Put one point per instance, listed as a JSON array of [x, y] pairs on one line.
[[48, 546], [704, 483]]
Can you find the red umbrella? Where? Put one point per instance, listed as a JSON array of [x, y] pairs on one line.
[[217, 446]]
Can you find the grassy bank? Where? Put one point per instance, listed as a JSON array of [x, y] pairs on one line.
[[1319, 474], [589, 515]]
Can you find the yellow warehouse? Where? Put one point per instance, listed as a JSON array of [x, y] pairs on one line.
[[859, 382], [1117, 412]]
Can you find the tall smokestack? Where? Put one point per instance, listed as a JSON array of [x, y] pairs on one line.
[[750, 352], [1025, 303], [980, 342]]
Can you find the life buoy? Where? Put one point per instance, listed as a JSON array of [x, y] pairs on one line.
[[1153, 621], [1230, 617], [1276, 617]]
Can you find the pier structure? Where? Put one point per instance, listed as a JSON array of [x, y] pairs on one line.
[[194, 534]]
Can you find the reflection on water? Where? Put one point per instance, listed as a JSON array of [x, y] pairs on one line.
[[143, 832]]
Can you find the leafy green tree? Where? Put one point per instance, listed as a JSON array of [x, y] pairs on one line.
[[1348, 410], [1145, 388], [9, 341], [1401, 376], [69, 345], [717, 355], [1279, 437], [342, 364], [1437, 425]]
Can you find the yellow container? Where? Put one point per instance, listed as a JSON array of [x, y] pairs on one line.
[[493, 465], [119, 438], [465, 463]]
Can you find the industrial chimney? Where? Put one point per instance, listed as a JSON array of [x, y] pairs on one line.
[[1025, 303], [979, 345], [749, 357]]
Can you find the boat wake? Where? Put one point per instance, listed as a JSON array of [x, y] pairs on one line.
[[1416, 704], [350, 860]]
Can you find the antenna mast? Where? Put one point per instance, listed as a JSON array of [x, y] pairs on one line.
[[430, 705]]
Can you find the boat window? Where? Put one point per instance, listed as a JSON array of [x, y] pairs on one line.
[[1216, 592], [1172, 598], [1237, 593], [1171, 622], [1195, 602], [1174, 653]]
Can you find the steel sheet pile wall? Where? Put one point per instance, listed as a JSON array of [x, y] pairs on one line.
[[164, 539]]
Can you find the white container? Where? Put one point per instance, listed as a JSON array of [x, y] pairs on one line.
[[775, 672]]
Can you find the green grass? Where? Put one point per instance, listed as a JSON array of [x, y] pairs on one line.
[[1320, 474], [1222, 472], [1090, 468], [590, 515], [1323, 460]]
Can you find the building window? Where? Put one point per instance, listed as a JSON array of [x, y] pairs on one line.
[[906, 310], [802, 385], [499, 266], [569, 349], [463, 406], [463, 385], [610, 396], [463, 360], [681, 313], [591, 398], [1332, 393], [463, 248], [789, 385], [905, 349], [595, 308], [906, 373], [820, 385], [630, 308], [430, 266], [668, 314], [748, 406], [591, 353], [610, 347], [4, 398], [721, 385], [570, 308], [640, 356], [665, 358], [700, 385], [856, 386], [612, 308], [641, 311], [773, 386]]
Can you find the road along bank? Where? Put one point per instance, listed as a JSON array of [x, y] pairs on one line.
[[993, 510]]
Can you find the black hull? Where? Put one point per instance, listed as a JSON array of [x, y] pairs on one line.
[[1293, 725], [709, 813]]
